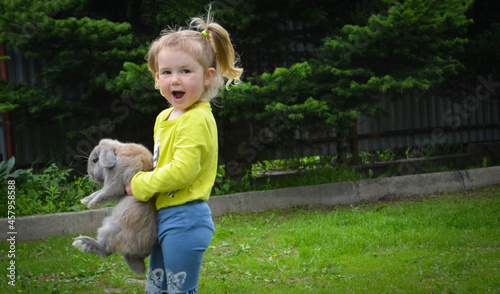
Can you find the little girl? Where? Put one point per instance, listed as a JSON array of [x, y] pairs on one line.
[[189, 68]]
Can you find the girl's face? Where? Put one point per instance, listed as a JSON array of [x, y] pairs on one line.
[[182, 79]]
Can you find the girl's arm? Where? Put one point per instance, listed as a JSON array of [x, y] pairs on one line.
[[193, 140]]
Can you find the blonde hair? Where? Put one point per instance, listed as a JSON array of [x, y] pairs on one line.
[[209, 44]]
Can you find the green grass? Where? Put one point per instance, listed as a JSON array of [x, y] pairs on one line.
[[441, 243]]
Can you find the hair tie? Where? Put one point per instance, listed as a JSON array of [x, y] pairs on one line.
[[205, 34]]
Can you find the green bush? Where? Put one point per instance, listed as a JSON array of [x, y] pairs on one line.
[[303, 172], [50, 191]]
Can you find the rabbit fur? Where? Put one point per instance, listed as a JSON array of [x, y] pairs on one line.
[[131, 229]]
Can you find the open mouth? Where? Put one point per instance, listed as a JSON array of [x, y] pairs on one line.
[[178, 95]]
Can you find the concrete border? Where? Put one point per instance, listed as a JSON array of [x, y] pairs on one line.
[[35, 227]]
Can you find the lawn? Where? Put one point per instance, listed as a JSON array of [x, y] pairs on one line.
[[440, 243]]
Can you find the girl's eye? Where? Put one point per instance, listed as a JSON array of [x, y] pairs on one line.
[[186, 71], [166, 72]]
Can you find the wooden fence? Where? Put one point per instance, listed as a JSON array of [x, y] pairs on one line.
[[471, 114]]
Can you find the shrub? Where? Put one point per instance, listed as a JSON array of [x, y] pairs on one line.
[[50, 191]]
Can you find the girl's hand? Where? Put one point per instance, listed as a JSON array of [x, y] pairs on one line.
[[128, 188]]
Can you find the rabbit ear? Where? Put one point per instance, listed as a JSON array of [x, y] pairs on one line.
[[107, 158]]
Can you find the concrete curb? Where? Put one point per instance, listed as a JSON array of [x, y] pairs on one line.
[[355, 191], [36, 227]]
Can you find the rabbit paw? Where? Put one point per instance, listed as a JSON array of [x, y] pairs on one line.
[[89, 198], [93, 201], [87, 244], [84, 243], [85, 200], [93, 205]]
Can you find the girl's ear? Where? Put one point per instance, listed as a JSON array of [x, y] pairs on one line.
[[157, 83], [209, 76], [157, 80]]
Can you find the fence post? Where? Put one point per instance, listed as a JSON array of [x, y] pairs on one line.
[[355, 147]]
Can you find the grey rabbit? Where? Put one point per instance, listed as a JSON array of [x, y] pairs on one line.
[[131, 229]]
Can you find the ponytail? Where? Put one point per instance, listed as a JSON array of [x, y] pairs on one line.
[[225, 56]]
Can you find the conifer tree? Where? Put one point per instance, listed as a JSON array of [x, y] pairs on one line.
[[77, 52], [405, 49]]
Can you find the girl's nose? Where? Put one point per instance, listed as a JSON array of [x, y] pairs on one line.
[[175, 79]]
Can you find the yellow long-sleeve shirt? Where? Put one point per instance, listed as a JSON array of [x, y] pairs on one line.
[[186, 151]]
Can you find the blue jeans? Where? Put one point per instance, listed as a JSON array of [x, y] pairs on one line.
[[184, 234]]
